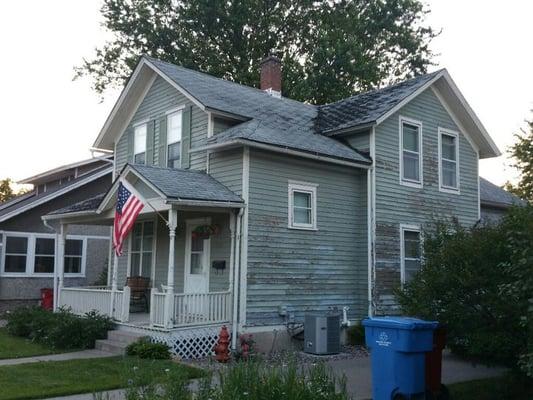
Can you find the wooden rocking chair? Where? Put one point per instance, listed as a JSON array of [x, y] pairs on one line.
[[140, 288]]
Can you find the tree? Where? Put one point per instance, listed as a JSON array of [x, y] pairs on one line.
[[330, 49], [522, 154], [6, 192]]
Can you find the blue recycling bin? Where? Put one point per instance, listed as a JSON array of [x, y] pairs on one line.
[[397, 349]]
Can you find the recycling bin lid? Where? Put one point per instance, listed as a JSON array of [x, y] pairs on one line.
[[400, 323]]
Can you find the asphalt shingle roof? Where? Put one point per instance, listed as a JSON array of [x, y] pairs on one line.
[[491, 194], [187, 184], [280, 122], [366, 108], [90, 204], [32, 197]]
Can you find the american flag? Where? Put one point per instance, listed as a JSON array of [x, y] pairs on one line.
[[128, 208]]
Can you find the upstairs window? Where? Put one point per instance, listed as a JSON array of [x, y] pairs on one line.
[[302, 206], [448, 160], [174, 124], [139, 144], [411, 152], [410, 252]]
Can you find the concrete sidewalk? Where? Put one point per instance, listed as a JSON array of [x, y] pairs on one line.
[[359, 380], [76, 355]]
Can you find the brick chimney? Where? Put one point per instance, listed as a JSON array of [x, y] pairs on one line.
[[271, 75]]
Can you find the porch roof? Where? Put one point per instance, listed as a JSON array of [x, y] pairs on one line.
[[173, 185]]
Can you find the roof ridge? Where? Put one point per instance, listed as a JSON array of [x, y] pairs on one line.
[[258, 90], [373, 91]]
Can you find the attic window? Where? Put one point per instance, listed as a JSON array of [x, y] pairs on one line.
[[139, 144]]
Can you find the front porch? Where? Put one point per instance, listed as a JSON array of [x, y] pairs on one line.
[[178, 263]]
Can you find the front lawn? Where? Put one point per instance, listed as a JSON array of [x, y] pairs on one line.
[[503, 388], [17, 347], [61, 378]]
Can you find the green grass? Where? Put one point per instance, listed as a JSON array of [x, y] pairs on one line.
[[504, 388], [60, 378], [17, 347]]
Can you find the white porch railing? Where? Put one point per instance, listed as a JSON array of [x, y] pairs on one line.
[[192, 308], [84, 299]]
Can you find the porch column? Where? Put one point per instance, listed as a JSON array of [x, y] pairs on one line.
[[231, 277], [61, 262], [169, 297]]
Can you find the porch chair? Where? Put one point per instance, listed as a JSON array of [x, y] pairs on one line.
[[139, 289]]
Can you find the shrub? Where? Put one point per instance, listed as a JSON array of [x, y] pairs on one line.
[[61, 330], [478, 282], [355, 335], [144, 348]]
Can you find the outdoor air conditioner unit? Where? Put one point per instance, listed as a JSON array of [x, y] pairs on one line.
[[322, 333]]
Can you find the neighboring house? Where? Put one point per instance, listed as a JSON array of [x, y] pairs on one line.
[[495, 201], [262, 208], [28, 248]]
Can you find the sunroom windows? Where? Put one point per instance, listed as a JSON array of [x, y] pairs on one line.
[[34, 254], [410, 152], [448, 160]]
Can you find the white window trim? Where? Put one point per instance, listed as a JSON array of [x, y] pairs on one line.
[[410, 182], [154, 244], [169, 115], [442, 188], [403, 229], [30, 254], [305, 187]]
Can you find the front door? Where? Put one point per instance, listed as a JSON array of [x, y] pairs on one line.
[[197, 257]]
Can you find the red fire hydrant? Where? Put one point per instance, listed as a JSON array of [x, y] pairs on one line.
[[222, 346]]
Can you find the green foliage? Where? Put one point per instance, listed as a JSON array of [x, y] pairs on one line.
[[245, 381], [60, 330], [6, 192], [478, 282], [522, 155], [356, 335], [330, 50], [144, 348]]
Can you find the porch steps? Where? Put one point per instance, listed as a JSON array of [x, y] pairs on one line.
[[117, 341]]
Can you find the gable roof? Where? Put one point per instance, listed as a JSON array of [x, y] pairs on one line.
[[31, 200], [495, 196], [285, 123]]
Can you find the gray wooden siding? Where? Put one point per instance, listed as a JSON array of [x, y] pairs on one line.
[[220, 250], [221, 124], [305, 270], [397, 204], [160, 98], [360, 141], [226, 167]]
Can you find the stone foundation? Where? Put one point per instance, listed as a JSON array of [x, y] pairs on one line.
[[10, 305]]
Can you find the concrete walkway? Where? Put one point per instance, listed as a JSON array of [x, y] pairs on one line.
[[77, 355], [359, 381]]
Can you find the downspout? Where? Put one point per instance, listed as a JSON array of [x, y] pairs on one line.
[[56, 240], [236, 280]]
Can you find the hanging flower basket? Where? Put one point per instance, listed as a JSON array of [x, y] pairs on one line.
[[205, 231]]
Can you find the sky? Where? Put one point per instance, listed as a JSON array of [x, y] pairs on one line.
[[49, 120]]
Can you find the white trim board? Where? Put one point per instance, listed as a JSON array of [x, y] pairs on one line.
[[409, 228], [456, 135], [243, 278], [403, 181]]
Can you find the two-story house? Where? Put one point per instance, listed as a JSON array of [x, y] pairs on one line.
[[259, 208], [28, 249]]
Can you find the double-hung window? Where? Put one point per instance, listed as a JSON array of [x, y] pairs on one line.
[[16, 251], [73, 256], [411, 251], [44, 257], [142, 244], [139, 144], [174, 127], [448, 160], [410, 152], [302, 205]]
